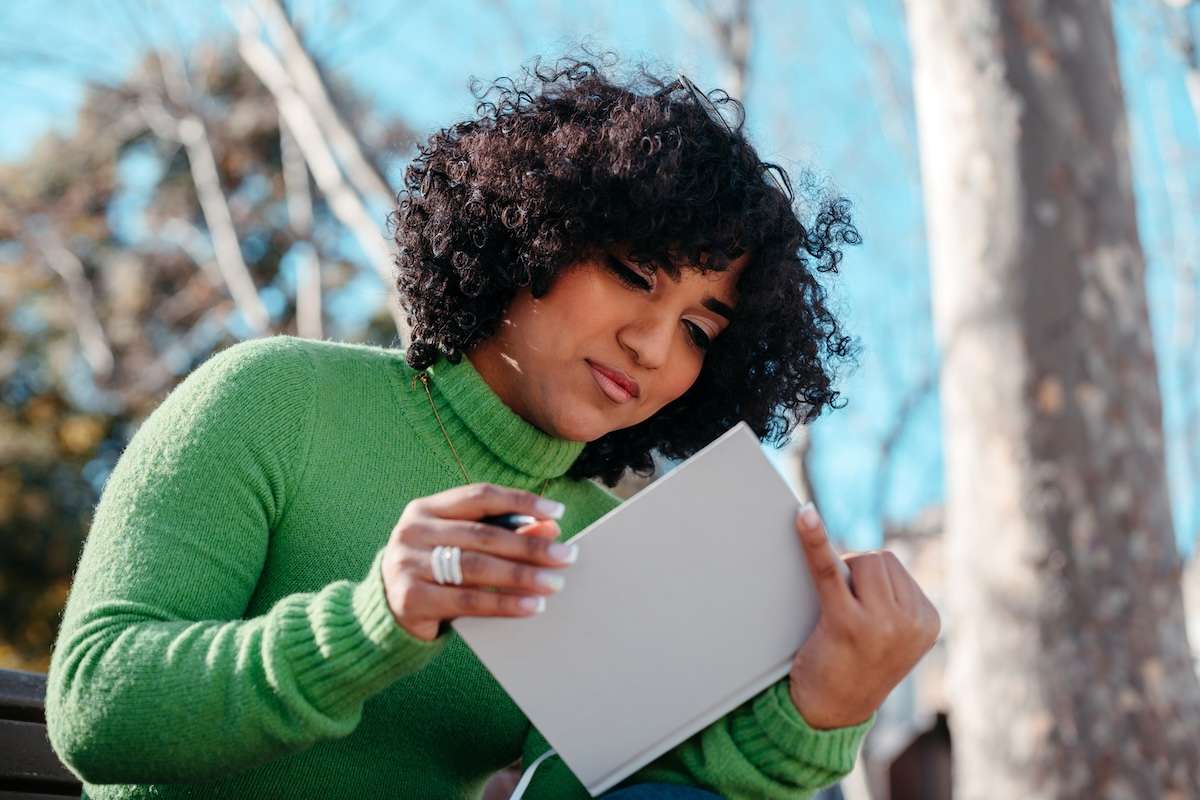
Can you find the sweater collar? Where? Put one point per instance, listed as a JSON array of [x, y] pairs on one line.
[[484, 429]]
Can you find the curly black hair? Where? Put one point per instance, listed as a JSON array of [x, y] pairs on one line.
[[569, 161]]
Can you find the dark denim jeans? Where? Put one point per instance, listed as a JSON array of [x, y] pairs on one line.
[[668, 791], [659, 791]]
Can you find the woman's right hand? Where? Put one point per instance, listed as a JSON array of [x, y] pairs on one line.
[[524, 566]]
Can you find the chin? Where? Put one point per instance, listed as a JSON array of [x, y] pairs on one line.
[[580, 429]]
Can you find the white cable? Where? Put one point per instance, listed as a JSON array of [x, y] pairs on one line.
[[527, 775]]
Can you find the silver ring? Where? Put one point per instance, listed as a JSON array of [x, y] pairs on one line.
[[438, 562], [447, 565]]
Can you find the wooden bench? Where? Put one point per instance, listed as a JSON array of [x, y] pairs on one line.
[[29, 769]]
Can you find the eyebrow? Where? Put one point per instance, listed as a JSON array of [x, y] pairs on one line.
[[713, 304]]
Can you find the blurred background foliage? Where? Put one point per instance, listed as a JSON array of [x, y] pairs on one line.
[[103, 310]]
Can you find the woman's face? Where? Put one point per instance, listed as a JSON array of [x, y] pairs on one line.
[[540, 360]]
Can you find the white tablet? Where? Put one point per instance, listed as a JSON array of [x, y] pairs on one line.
[[687, 600]]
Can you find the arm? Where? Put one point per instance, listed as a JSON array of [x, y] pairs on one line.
[[155, 676], [764, 748]]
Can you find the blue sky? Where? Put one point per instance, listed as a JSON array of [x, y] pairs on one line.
[[829, 90]]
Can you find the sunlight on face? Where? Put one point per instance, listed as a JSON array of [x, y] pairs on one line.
[[607, 311]]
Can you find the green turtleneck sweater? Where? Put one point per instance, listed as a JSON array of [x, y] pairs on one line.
[[227, 633]]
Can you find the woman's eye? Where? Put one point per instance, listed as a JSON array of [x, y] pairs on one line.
[[638, 281], [699, 336], [628, 275]]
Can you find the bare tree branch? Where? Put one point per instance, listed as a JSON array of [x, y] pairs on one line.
[[192, 133], [735, 39], [195, 296], [295, 183], [300, 215], [1185, 33], [308, 293], [801, 454], [731, 33], [194, 242], [66, 265], [300, 119], [220, 223], [307, 80]]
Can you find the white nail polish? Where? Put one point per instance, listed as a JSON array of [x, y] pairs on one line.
[[535, 604], [551, 508], [567, 553], [550, 580]]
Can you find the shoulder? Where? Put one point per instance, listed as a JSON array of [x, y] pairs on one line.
[[285, 356], [251, 384], [272, 355], [324, 375]]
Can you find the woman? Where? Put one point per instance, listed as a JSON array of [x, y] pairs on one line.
[[592, 273]]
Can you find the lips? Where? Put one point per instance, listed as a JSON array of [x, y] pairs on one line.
[[628, 384]]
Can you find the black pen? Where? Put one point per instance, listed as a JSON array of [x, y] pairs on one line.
[[510, 521]]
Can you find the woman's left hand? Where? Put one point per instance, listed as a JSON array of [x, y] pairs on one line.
[[872, 631]]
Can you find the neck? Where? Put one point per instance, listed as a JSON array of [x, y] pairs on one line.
[[491, 437], [502, 374]]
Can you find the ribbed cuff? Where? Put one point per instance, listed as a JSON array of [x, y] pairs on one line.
[[371, 608], [833, 750], [344, 644]]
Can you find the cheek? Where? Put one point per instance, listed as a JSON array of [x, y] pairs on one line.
[[579, 297], [591, 308], [681, 378], [560, 315]]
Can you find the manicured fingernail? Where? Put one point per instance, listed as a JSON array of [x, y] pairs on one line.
[[551, 508], [808, 515], [550, 580], [535, 604], [566, 553]]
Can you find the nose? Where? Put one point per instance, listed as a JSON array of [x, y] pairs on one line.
[[648, 339]]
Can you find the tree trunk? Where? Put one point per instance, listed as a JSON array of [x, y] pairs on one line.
[[1070, 673]]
